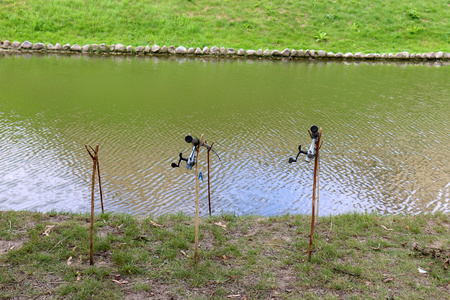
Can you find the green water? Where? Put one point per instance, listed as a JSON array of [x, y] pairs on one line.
[[385, 132]]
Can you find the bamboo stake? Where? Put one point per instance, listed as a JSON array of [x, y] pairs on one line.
[[316, 160], [197, 199], [209, 183], [94, 168]]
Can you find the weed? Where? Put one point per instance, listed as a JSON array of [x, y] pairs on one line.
[[270, 9], [321, 36], [355, 27], [413, 14], [415, 29]]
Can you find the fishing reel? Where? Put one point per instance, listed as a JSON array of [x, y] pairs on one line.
[[311, 153], [190, 161]]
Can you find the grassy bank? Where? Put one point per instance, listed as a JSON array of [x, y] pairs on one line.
[[331, 25], [357, 256]]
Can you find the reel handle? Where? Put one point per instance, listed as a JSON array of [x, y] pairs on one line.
[[174, 165], [300, 151]]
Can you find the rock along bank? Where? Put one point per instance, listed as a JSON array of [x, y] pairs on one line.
[[119, 49]]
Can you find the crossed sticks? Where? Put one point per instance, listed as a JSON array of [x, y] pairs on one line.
[[93, 153]]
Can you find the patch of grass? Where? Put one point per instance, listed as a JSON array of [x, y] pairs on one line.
[[89, 288], [354, 256], [353, 25], [141, 286]]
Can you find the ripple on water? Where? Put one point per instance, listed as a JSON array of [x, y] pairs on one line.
[[385, 145]]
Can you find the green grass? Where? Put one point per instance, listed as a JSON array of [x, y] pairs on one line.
[[356, 256], [332, 25]]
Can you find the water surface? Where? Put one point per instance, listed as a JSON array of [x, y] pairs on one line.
[[385, 133]]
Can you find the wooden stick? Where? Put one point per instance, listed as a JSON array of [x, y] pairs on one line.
[[311, 238], [318, 177], [197, 200], [209, 183], [94, 168], [98, 169], [100, 185]]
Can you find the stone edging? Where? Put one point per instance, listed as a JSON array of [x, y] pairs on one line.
[[120, 49]]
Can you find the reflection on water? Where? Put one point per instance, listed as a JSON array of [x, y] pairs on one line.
[[385, 132]]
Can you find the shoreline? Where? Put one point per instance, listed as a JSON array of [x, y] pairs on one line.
[[216, 52], [204, 58]]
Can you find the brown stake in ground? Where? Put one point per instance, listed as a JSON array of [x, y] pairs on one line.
[[94, 157], [196, 199], [316, 161]]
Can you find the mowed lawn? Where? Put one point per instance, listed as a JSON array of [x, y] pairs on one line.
[[338, 26]]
